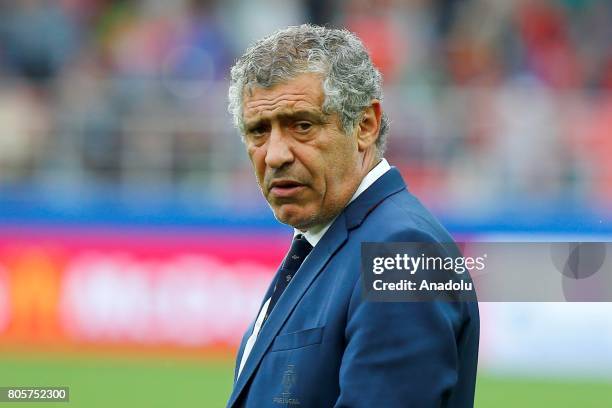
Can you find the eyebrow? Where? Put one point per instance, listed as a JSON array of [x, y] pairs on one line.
[[316, 117]]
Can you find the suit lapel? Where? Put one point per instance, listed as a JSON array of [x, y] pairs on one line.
[[249, 331], [388, 184], [312, 266], [245, 337]]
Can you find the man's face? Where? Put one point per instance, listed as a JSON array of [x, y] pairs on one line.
[[306, 167]]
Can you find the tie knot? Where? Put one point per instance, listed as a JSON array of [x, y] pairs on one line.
[[300, 248]]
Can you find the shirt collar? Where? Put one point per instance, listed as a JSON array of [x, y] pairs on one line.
[[314, 234]]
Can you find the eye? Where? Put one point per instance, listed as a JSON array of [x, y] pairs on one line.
[[257, 132], [302, 126]]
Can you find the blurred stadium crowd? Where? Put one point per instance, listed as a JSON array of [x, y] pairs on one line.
[[491, 101]]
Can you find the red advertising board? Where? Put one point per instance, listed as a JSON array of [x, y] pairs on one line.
[[157, 288]]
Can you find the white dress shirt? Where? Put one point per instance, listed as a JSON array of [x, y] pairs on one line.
[[313, 236]]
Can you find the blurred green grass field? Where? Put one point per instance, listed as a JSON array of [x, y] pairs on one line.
[[139, 382]]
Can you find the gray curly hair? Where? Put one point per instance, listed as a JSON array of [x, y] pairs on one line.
[[350, 81]]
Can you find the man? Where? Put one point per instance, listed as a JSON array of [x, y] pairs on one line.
[[307, 101]]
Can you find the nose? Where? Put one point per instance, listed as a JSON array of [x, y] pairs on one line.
[[278, 152]]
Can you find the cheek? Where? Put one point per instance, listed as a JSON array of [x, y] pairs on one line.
[[340, 166], [340, 158], [257, 156]]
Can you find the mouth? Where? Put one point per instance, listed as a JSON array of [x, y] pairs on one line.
[[285, 188]]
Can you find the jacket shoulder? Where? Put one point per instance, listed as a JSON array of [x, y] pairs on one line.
[[401, 217]]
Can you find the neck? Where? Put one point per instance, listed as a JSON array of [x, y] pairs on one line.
[[369, 160]]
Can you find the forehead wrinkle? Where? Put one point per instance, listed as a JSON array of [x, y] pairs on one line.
[[285, 113], [263, 100], [282, 104], [305, 92], [287, 107]]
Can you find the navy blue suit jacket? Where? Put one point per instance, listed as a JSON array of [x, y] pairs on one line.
[[324, 346]]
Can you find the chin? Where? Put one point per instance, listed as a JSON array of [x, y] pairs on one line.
[[292, 221], [296, 219]]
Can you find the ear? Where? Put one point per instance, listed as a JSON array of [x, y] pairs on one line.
[[369, 126]]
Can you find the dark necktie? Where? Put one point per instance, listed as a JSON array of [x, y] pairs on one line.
[[300, 248]]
